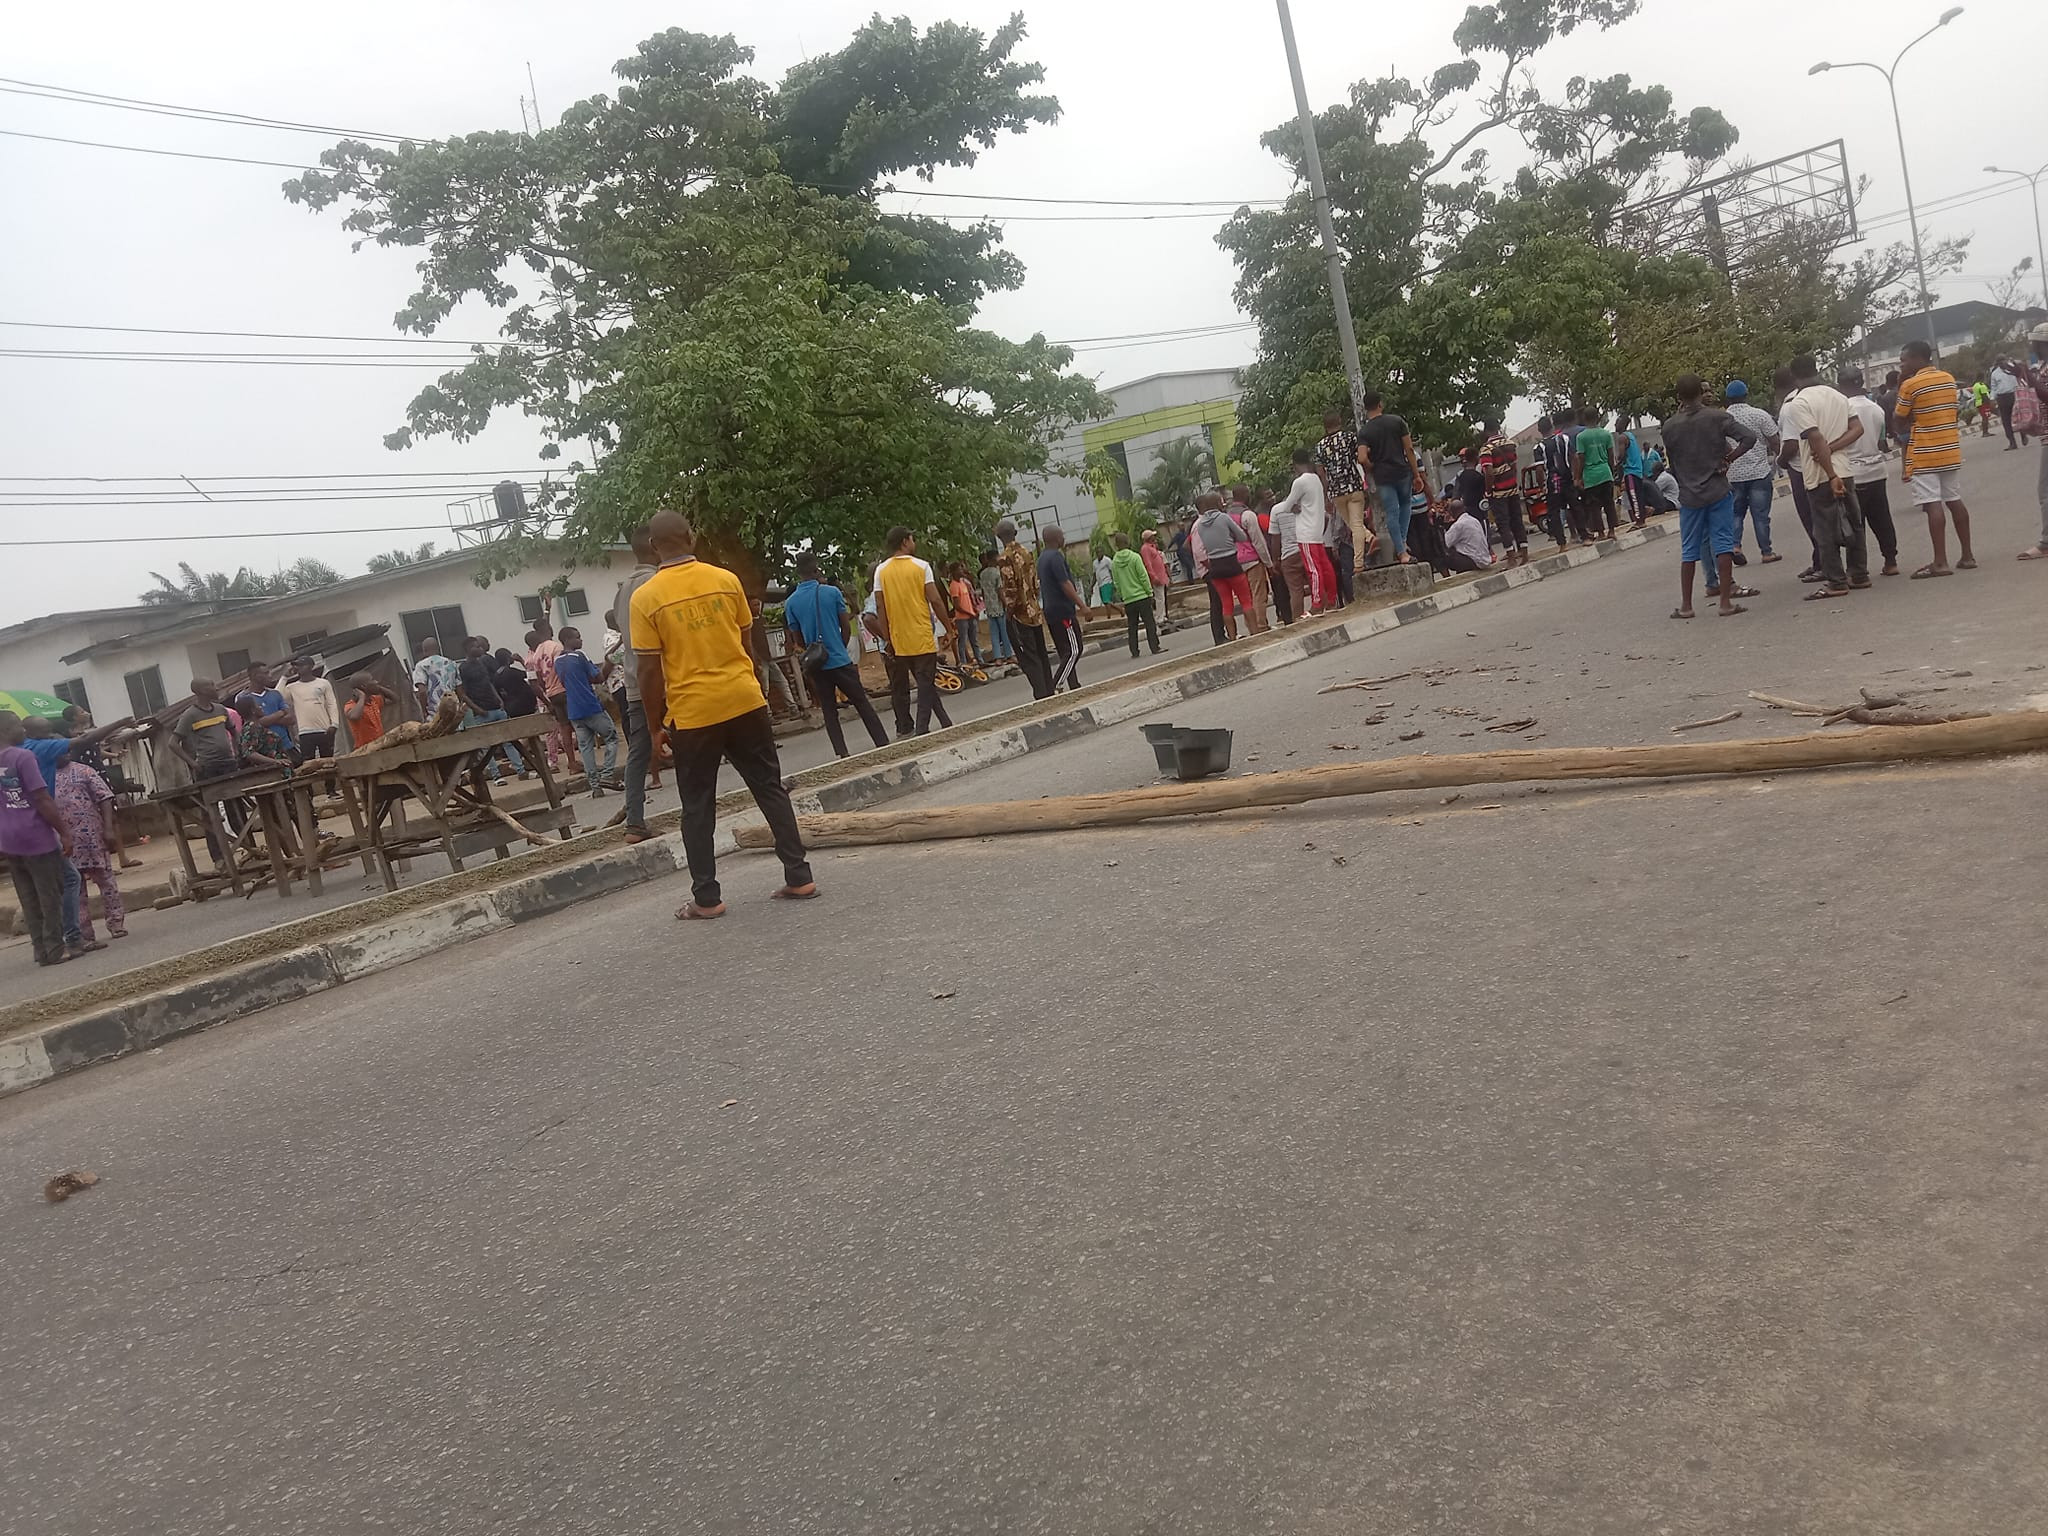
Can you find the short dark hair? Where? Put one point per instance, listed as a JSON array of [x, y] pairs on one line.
[[1689, 387], [1920, 349], [893, 539], [1488, 425], [807, 565], [1372, 399], [1303, 456], [1589, 415], [1804, 367], [1123, 541], [1544, 423], [1849, 380]]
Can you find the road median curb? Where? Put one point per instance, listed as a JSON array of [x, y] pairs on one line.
[[311, 955]]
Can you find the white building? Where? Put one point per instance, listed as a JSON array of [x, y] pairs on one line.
[[136, 660], [1147, 414], [1955, 326]]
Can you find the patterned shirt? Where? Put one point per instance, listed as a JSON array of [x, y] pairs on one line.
[[1755, 464], [1020, 584], [1337, 457], [1927, 413], [79, 794], [1502, 463], [437, 674]]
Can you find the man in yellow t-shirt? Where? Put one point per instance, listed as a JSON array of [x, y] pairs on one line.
[[907, 601], [688, 626], [1928, 417]]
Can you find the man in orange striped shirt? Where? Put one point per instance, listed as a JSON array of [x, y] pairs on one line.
[[1928, 415]]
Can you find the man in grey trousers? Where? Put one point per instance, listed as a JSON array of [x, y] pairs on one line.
[[639, 739]]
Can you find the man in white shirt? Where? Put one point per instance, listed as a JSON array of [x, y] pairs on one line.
[[2005, 390], [1751, 477], [1466, 545], [1865, 458], [315, 709], [1817, 418], [1307, 507]]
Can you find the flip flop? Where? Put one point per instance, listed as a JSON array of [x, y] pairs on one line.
[[1745, 592], [1680, 613], [1926, 571], [1810, 576], [2036, 553], [797, 893], [1769, 559], [1822, 594], [1731, 609], [1967, 563], [691, 912], [1860, 586]]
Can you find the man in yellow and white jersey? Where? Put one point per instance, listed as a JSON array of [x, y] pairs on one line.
[[1929, 418]]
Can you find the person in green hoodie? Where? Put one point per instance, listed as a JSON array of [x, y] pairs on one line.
[[1134, 591]]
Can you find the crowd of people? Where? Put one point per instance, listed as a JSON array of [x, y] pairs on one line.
[[58, 831]]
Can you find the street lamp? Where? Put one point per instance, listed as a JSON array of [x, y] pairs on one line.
[[2034, 184], [1912, 215]]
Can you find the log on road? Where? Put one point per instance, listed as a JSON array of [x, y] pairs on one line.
[[2020, 732]]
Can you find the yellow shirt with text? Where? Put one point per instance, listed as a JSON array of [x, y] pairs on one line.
[[901, 581], [695, 617]]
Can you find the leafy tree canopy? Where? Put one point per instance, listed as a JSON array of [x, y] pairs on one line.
[[1469, 288], [698, 281], [398, 559], [191, 586]]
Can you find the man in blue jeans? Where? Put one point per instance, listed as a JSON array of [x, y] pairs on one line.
[[1750, 477], [1389, 451], [580, 680]]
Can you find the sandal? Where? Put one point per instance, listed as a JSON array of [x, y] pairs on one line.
[[797, 893], [1810, 574], [1731, 609], [1926, 571], [1745, 592], [1860, 586], [2038, 552], [1680, 613], [637, 834], [1769, 559], [689, 911], [1822, 593], [1967, 563]]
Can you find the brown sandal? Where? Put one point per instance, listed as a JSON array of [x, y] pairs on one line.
[[797, 893], [689, 911]]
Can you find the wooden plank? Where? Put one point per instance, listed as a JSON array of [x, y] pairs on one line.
[[475, 738], [2022, 732]]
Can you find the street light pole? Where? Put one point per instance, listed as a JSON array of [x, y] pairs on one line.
[[1905, 170], [2033, 185], [1347, 338]]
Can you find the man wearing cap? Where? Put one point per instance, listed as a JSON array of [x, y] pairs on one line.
[[1750, 477]]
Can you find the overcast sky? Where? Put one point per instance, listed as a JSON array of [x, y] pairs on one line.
[[1161, 100]]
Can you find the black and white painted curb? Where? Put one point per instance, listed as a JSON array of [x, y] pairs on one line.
[[235, 991]]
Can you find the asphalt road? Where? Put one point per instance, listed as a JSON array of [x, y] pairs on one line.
[[1621, 1160]]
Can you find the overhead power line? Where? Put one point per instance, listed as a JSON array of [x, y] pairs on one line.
[[257, 533], [248, 499], [145, 149], [162, 330], [204, 114], [367, 474]]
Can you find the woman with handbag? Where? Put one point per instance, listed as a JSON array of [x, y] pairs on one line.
[[816, 614]]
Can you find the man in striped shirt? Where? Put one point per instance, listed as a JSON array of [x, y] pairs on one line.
[[1928, 416]]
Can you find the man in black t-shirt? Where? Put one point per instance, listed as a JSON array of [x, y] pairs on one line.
[[1395, 475], [476, 676]]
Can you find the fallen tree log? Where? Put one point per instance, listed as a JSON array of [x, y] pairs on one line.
[[2026, 731]]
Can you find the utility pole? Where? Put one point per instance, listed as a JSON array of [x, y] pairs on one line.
[[533, 95], [1347, 338]]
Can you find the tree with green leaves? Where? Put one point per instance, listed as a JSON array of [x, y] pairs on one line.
[[698, 280], [1563, 279], [191, 586], [398, 559], [1181, 470]]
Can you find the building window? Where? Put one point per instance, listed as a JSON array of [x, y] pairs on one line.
[[305, 642], [231, 662], [72, 691], [576, 602], [145, 691], [442, 624], [531, 611]]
